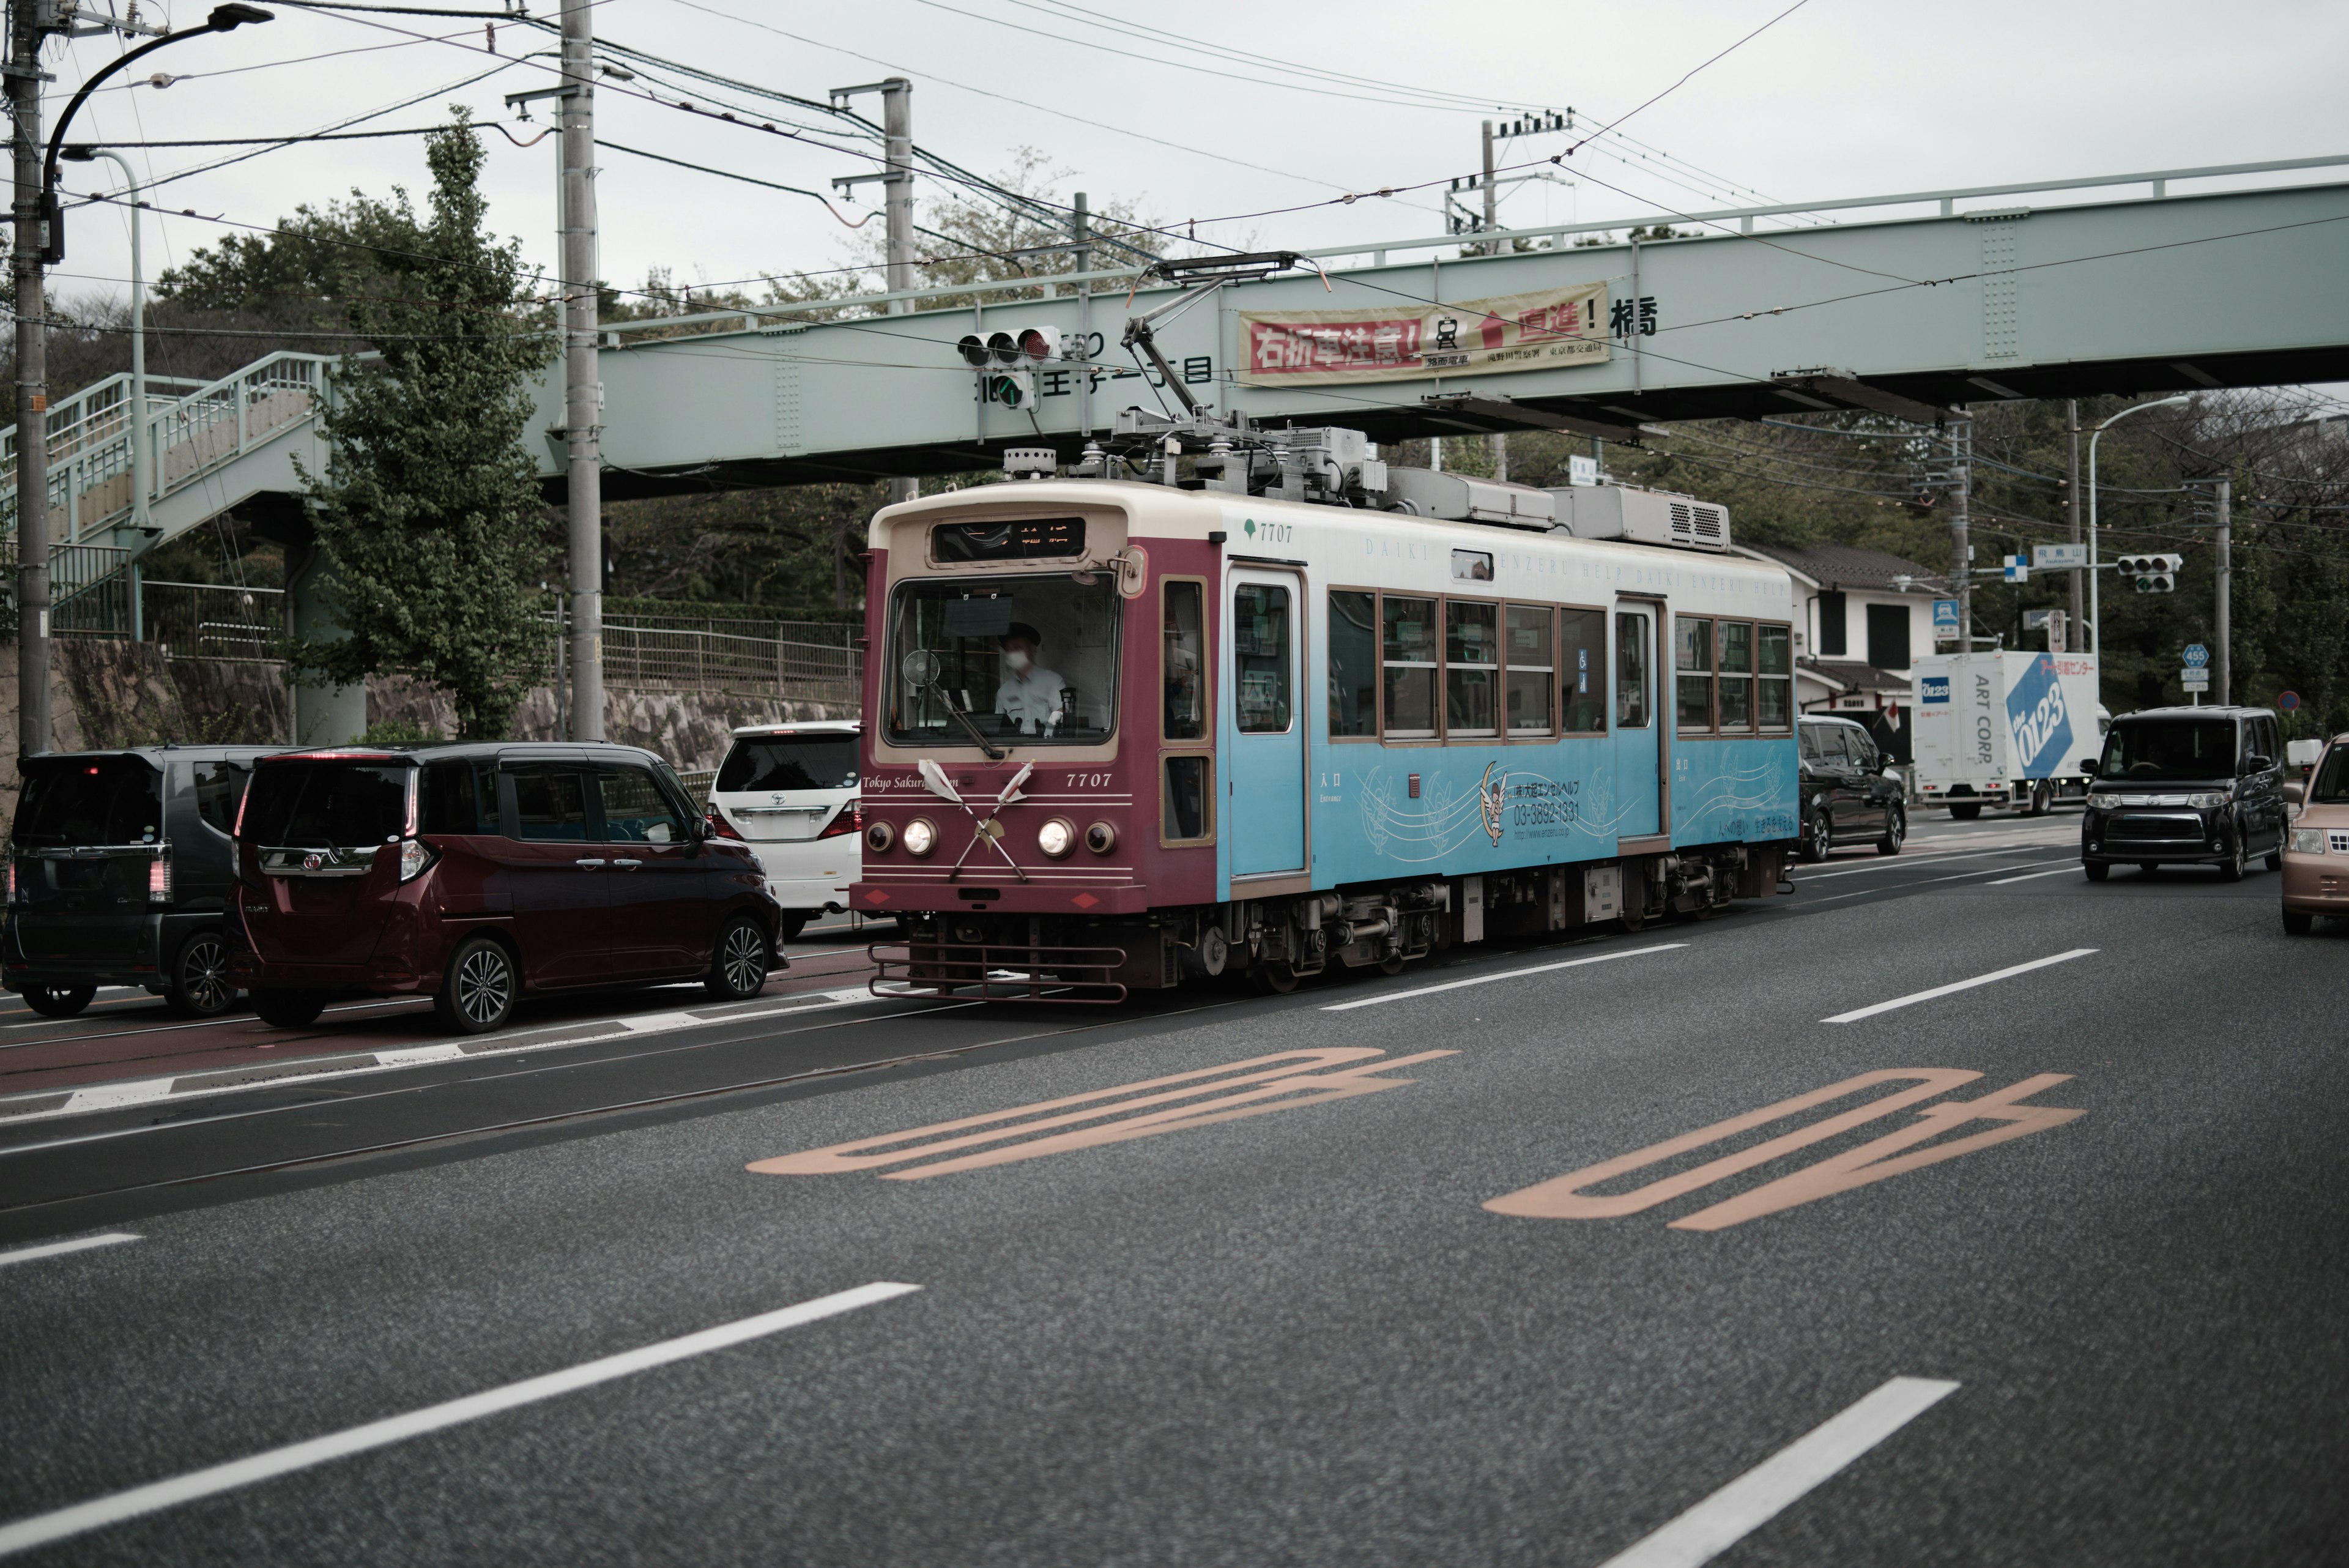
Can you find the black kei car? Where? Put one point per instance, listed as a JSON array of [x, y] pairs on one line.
[[1847, 795], [121, 866], [2187, 787]]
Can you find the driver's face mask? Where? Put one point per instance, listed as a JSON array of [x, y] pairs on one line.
[[1016, 662]]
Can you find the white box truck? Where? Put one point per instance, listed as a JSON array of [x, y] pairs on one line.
[[2006, 728]]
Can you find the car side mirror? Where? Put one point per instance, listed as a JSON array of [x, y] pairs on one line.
[[2259, 764], [2295, 791], [2088, 766]]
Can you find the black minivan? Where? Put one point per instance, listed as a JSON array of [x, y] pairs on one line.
[[121, 866], [2193, 786]]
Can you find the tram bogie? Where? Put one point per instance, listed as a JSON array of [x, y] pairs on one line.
[[1126, 737]]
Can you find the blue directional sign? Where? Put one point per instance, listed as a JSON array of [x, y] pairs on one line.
[[2197, 655], [1945, 617], [2018, 569]]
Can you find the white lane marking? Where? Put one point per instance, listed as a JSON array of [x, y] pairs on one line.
[[1856, 1014], [1922, 882], [233, 1081], [107, 1096], [1490, 979], [649, 1022], [58, 1248], [65, 1523], [1758, 1496], [1895, 862], [2033, 875]]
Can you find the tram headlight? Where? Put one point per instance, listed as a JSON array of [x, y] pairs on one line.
[[1101, 838], [879, 837], [1057, 837], [921, 836]]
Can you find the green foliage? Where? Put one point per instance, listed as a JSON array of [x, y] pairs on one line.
[[398, 733], [317, 264], [429, 511]]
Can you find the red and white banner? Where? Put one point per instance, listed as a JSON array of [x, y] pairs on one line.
[[1551, 331]]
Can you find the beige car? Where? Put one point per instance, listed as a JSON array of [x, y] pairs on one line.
[[2316, 845]]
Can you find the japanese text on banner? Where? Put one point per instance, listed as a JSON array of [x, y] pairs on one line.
[[1545, 331]]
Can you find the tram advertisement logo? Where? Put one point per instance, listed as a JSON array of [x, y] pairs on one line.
[[1545, 331]]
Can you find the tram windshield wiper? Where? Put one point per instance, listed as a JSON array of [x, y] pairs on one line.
[[975, 733]]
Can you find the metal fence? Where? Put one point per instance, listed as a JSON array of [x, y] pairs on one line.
[[211, 621], [675, 654]]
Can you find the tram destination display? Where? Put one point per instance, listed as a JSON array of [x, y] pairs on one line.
[[1030, 539]]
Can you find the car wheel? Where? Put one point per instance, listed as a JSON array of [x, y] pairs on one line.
[[2042, 798], [793, 922], [199, 985], [59, 1001], [739, 971], [2274, 862], [2296, 924], [2230, 869], [2097, 870], [288, 1009], [1896, 829], [2147, 867], [478, 989], [1818, 834], [1967, 812]]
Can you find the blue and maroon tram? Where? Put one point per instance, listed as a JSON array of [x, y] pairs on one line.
[[1125, 733]]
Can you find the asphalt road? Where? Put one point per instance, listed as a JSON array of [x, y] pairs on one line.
[[1320, 1310]]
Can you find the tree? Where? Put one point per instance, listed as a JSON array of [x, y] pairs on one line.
[[428, 512]]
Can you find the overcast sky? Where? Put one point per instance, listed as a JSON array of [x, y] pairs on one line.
[[1841, 98]]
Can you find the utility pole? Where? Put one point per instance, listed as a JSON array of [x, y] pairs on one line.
[[1498, 441], [1080, 233], [896, 204], [25, 77], [1956, 476], [2223, 497], [582, 390], [2072, 505]]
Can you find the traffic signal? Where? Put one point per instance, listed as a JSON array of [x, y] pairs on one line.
[[2151, 574], [1007, 362]]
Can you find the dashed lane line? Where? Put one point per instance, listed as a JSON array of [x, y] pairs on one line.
[[1897, 862], [1856, 1014], [1490, 979], [2033, 875], [60, 1249], [1920, 882], [1762, 1493], [82, 1518], [44, 1104]]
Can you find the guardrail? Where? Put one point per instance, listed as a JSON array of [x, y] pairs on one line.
[[211, 621], [655, 656]]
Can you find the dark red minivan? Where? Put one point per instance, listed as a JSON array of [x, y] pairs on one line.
[[473, 873]]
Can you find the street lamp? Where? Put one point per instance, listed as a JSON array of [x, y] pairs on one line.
[[2096, 613], [224, 19], [139, 449]]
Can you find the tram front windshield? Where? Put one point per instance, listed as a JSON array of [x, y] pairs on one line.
[[1023, 661]]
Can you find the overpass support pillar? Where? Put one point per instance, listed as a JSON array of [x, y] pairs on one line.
[[323, 715]]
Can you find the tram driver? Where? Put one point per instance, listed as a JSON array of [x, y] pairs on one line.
[[1030, 694]]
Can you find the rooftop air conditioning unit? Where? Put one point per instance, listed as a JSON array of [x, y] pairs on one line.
[[1641, 516], [1463, 498]]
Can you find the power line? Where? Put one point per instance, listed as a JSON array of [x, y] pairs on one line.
[[1676, 86]]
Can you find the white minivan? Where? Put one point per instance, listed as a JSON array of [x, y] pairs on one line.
[[789, 792]]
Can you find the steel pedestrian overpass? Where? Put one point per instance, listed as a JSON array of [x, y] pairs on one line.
[[1910, 303]]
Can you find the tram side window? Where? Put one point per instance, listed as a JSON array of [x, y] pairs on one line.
[[1353, 663], [1260, 669], [1411, 667], [1632, 671], [1188, 809], [1582, 656], [1692, 673], [1735, 641], [1774, 689], [1471, 655], [1530, 640], [1182, 645]]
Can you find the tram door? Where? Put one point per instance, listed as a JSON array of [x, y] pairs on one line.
[[1264, 746], [1638, 727]]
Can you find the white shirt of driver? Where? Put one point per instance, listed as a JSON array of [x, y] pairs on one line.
[[1030, 701]]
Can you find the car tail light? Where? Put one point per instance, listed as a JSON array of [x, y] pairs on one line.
[[850, 820], [159, 877], [11, 878], [723, 829], [414, 857]]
